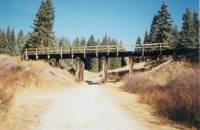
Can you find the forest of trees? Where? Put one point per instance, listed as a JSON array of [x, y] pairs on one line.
[[162, 30]]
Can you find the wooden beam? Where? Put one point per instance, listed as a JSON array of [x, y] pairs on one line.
[[36, 54], [26, 54], [130, 65], [82, 72], [96, 51], [84, 51], [105, 70], [80, 68], [61, 53]]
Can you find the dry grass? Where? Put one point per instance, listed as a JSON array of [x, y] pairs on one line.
[[15, 74], [18, 76], [22, 116], [177, 98]]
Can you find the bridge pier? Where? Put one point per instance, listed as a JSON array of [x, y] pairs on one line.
[[105, 70], [80, 68], [130, 65]]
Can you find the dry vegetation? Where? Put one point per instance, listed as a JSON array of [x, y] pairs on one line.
[[15, 74], [173, 89], [19, 78]]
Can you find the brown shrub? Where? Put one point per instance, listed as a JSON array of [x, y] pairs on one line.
[[182, 97], [178, 100], [12, 76], [137, 82], [8, 78]]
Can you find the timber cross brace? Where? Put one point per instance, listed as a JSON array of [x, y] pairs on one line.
[[104, 52]]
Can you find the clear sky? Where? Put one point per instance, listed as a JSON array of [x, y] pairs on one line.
[[121, 19]]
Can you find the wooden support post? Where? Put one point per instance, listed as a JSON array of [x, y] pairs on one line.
[[84, 52], [72, 53], [82, 72], [61, 53], [26, 54], [80, 67], [160, 49], [48, 56], [105, 70], [96, 51], [130, 65], [117, 50], [142, 49], [36, 54], [108, 51]]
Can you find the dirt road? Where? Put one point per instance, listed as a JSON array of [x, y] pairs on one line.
[[86, 107]]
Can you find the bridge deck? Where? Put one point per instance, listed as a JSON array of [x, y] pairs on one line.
[[102, 51]]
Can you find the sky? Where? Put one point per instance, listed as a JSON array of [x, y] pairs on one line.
[[123, 20]]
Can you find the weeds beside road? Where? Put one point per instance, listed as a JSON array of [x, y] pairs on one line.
[[178, 98]]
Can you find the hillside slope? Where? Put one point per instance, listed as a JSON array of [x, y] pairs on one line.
[[23, 86]]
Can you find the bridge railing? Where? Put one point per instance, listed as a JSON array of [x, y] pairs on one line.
[[98, 49]]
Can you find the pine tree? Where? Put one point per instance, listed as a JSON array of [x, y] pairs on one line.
[[91, 41], [0, 40], [21, 40], [8, 34], [4, 42], [92, 64], [138, 41], [165, 25], [196, 27], [153, 36], [43, 35], [63, 42], [114, 62], [176, 37], [76, 42], [83, 42], [188, 31], [12, 44], [146, 38], [105, 40]]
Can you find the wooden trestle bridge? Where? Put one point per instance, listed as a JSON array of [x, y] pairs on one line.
[[104, 52]]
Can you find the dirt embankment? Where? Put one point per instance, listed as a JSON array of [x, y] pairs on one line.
[[20, 84]]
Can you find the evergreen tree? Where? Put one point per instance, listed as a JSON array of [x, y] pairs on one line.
[[138, 41], [91, 41], [92, 64], [146, 38], [105, 40], [114, 62], [12, 44], [165, 25], [64, 43], [43, 35], [176, 36], [196, 27], [20, 40], [76, 42], [4, 42], [188, 31], [153, 36], [8, 34], [98, 42], [83, 42]]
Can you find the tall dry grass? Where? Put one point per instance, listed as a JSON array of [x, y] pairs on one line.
[[17, 74], [12, 76], [178, 100]]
